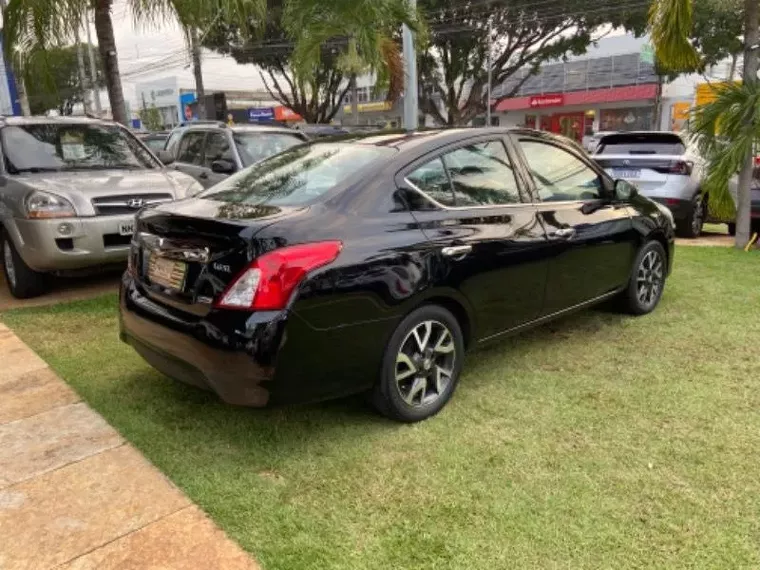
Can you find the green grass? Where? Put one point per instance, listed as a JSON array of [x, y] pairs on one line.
[[599, 441]]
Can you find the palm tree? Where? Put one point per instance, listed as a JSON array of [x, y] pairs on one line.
[[368, 29], [728, 128], [36, 25]]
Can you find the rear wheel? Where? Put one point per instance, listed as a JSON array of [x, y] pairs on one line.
[[22, 280], [421, 366], [691, 226], [647, 282]]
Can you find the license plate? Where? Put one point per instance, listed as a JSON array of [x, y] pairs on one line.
[[627, 173], [167, 272], [126, 228]]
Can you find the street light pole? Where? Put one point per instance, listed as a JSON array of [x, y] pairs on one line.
[[93, 69], [411, 105], [490, 72]]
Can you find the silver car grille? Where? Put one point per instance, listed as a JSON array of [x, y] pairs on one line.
[[127, 203]]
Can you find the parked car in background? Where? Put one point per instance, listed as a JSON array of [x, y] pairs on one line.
[[373, 263], [733, 187], [210, 153], [69, 192], [155, 141], [590, 142], [664, 167]]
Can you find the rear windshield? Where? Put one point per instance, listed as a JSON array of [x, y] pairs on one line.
[[642, 144], [54, 147], [297, 176]]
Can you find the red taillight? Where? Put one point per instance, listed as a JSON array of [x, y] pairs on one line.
[[268, 283], [671, 202], [681, 167]]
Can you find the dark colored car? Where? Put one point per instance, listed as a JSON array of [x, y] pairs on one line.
[[373, 263]]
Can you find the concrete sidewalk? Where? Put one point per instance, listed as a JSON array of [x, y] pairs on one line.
[[74, 495]]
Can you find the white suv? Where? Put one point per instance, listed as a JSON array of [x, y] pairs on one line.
[[664, 167]]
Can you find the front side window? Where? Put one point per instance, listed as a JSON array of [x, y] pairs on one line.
[[559, 175], [256, 146], [298, 176], [217, 148], [482, 175], [191, 148], [54, 147]]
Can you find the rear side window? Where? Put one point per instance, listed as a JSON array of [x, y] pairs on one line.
[[191, 148], [642, 144], [298, 176]]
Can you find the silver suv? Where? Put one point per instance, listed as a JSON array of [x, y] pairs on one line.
[[664, 167], [69, 192]]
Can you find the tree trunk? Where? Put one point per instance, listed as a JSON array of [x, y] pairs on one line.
[[354, 100], [23, 99], [200, 91], [109, 58], [732, 69], [82, 78], [744, 197]]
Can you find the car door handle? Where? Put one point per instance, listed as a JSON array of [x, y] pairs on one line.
[[564, 233], [456, 250]]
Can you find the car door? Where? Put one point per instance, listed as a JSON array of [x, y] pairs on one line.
[[218, 147], [483, 230], [591, 239], [190, 154]]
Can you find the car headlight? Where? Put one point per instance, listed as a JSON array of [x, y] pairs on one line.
[[42, 205]]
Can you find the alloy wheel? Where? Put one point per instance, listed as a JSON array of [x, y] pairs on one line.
[[649, 278], [10, 268], [425, 363]]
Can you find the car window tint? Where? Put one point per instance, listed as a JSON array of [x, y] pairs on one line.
[[217, 148], [256, 146], [432, 179], [190, 148], [482, 175], [559, 175], [173, 140]]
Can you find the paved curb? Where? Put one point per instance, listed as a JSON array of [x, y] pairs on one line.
[[75, 496]]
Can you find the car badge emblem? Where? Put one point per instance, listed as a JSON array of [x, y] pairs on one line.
[[135, 203], [626, 162]]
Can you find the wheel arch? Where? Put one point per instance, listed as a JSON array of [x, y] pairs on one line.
[[457, 306]]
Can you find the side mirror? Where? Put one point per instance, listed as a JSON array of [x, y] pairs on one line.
[[222, 167], [165, 157], [624, 190]]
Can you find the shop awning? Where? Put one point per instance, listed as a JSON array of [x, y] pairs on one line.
[[595, 96]]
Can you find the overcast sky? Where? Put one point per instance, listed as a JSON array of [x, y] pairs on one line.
[[139, 47]]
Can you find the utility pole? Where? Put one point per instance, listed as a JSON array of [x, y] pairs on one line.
[[82, 75], [411, 94], [490, 72], [200, 92], [93, 69]]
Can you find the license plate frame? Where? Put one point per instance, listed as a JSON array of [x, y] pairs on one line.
[[127, 228], [628, 173], [166, 272]]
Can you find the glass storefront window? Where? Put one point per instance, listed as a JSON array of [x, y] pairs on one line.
[[627, 119]]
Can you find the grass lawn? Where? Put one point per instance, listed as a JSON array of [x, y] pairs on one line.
[[599, 441]]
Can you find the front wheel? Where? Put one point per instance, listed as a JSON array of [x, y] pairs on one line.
[[421, 366], [22, 280], [647, 281]]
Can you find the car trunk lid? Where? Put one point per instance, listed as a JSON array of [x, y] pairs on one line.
[[647, 172]]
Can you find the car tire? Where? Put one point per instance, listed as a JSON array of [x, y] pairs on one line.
[[23, 282], [731, 229], [421, 365], [691, 226], [647, 282]]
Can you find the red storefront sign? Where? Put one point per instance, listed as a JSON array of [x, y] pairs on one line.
[[547, 101], [646, 91]]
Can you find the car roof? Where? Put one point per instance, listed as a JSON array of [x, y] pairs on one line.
[[43, 120]]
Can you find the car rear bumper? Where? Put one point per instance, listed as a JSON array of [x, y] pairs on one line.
[[71, 243], [201, 352]]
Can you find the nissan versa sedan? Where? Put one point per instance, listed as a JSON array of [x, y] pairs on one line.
[[69, 191], [371, 264]]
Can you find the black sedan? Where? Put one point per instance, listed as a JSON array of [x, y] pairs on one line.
[[373, 263]]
